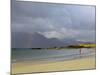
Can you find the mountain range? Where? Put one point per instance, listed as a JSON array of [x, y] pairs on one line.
[[37, 40]]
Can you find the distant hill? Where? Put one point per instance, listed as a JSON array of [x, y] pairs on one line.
[[70, 41], [37, 40]]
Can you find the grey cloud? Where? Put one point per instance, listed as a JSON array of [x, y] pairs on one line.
[[50, 19]]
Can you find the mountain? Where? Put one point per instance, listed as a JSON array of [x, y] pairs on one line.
[[72, 41], [35, 40]]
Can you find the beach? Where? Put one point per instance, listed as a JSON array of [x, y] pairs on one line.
[[66, 65]]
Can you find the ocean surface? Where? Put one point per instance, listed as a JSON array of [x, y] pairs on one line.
[[23, 55]]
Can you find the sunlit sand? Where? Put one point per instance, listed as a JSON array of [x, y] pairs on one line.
[[75, 64]]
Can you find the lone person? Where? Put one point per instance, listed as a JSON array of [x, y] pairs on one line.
[[80, 52]]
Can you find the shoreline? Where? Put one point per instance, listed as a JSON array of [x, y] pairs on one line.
[[62, 58], [47, 60], [73, 64]]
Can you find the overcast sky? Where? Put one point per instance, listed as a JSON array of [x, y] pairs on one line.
[[54, 20]]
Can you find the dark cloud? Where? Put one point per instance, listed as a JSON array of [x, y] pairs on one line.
[[53, 20]]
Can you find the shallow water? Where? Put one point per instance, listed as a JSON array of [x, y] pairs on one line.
[[43, 54]]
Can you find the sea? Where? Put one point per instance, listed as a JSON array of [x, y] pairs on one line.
[[34, 55]]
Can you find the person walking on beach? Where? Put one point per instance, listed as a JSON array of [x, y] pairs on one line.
[[80, 51]]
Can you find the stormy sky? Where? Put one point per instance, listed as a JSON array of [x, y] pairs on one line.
[[54, 20]]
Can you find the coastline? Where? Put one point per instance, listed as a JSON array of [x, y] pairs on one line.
[[68, 65]]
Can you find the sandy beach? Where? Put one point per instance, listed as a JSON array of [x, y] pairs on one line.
[[66, 65]]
